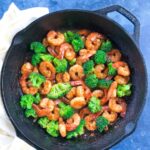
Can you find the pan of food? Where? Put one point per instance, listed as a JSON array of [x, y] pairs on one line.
[[75, 79]]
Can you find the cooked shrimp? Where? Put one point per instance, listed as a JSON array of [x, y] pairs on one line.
[[110, 115], [101, 71], [93, 41], [124, 107], [79, 91], [71, 93], [66, 77], [63, 77], [97, 93], [73, 122], [52, 51], [84, 32], [54, 115], [35, 69], [122, 68], [47, 69], [114, 55], [46, 87], [78, 102], [76, 72], [62, 128], [55, 38], [26, 68], [121, 79], [25, 87], [104, 98], [47, 103], [84, 112], [112, 90], [45, 42]]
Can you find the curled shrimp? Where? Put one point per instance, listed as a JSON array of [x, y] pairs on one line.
[[84, 32], [104, 98], [78, 102], [25, 86], [46, 87], [121, 79], [63, 77], [76, 72], [93, 41], [79, 91], [62, 127], [97, 93], [84, 112], [72, 93], [47, 69], [110, 115], [101, 71], [114, 55], [26, 68], [55, 38], [54, 115], [73, 122], [122, 68]]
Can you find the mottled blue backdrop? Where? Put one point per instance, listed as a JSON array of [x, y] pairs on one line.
[[140, 139]]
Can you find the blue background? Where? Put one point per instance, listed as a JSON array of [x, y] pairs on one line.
[[140, 139]]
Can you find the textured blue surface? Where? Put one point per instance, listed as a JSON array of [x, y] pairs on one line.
[[140, 139]]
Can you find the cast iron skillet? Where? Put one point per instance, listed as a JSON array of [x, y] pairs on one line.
[[64, 20]]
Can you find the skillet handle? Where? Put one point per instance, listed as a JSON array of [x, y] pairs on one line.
[[125, 13]]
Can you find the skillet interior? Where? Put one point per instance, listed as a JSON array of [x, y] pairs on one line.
[[19, 53]]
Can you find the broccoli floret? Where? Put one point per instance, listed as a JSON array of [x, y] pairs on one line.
[[52, 128], [60, 65], [78, 131], [37, 47], [37, 58], [43, 122], [27, 101], [88, 67], [101, 123], [91, 81], [106, 46], [124, 90], [94, 105], [36, 79], [72, 62], [111, 70], [66, 111], [30, 113], [37, 98], [59, 90], [100, 57], [75, 39], [104, 84]]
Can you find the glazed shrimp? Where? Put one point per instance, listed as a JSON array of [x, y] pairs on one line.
[[79, 91], [26, 68], [62, 128], [55, 38], [76, 72], [121, 79], [101, 71], [122, 68], [84, 32], [78, 102], [71, 93], [97, 93], [84, 112], [110, 115], [54, 115], [25, 87], [93, 41], [63, 77], [73, 122], [46, 87], [47, 69], [114, 55]]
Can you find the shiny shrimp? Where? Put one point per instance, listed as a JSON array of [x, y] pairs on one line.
[[62, 127], [72, 93], [78, 102], [54, 115], [46, 87], [63, 77], [97, 93], [26, 68], [121, 79], [114, 55], [84, 32], [84, 112]]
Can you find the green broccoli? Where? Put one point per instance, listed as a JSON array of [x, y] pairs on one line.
[[66, 111], [60, 65], [72, 62], [59, 90], [91, 81], [37, 58], [43, 122], [104, 84], [88, 67], [52, 128], [27, 101], [106, 46], [111, 70], [30, 113], [75, 39], [37, 47], [78, 131], [94, 105], [36, 79], [100, 57], [101, 123], [37, 98], [124, 90]]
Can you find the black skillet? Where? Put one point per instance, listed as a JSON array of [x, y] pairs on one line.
[[97, 20]]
